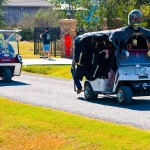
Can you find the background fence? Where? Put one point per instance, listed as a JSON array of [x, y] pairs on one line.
[[54, 41]]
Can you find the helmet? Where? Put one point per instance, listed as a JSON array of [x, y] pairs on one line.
[[135, 18]]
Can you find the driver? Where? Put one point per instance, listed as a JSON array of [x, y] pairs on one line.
[[108, 62], [11, 49]]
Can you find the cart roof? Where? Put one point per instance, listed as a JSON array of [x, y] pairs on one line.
[[117, 36], [9, 31], [103, 35]]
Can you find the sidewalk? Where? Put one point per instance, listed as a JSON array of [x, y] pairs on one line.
[[42, 61]]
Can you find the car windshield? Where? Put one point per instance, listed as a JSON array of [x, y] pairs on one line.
[[8, 44], [134, 57]]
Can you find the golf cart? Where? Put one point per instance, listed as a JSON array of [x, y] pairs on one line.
[[132, 74], [10, 59]]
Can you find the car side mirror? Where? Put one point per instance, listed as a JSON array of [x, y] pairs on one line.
[[17, 37]]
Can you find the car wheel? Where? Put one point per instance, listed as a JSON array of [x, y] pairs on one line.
[[88, 92], [7, 75], [124, 95]]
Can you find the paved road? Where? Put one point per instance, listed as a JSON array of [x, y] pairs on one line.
[[59, 94]]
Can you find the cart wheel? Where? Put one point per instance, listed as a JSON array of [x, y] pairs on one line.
[[7, 75], [88, 92], [124, 95]]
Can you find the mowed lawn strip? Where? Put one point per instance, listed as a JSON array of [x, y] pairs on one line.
[[26, 49], [61, 71], [25, 127]]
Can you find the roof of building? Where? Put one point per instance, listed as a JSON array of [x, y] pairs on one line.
[[28, 3]]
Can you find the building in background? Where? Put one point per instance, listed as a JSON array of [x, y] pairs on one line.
[[14, 9]]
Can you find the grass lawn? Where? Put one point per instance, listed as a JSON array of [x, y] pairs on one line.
[[27, 49], [26, 127], [27, 52], [61, 71]]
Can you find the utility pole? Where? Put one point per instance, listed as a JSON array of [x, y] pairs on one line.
[[68, 11]]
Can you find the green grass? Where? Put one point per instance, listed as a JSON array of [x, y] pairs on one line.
[[27, 52], [27, 49], [61, 71], [25, 127]]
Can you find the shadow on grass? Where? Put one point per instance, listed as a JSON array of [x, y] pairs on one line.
[[138, 103]]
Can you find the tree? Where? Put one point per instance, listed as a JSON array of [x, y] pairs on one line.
[[90, 13], [82, 10], [112, 9], [48, 17], [2, 23], [42, 18]]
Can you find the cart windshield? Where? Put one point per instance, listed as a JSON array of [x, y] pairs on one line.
[[8, 44], [134, 57]]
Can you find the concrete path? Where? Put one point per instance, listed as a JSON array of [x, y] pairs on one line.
[[42, 61]]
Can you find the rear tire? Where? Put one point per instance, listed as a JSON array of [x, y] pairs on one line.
[[7, 75], [88, 92], [124, 95]]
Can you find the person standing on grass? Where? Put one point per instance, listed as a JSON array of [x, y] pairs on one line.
[[46, 43]]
